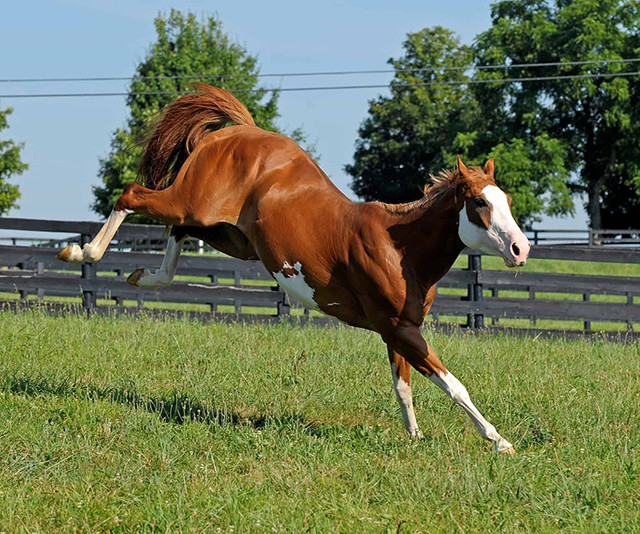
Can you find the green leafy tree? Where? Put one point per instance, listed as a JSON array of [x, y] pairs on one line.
[[185, 49], [431, 117], [587, 118], [414, 131], [10, 165]]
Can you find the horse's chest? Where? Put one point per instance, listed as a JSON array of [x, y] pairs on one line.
[[291, 279]]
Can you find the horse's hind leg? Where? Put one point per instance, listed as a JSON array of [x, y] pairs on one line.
[[94, 250], [158, 205], [164, 275]]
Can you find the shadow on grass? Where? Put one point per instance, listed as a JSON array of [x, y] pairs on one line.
[[174, 407]]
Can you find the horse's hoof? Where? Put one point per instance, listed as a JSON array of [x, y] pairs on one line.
[[134, 277], [71, 254], [508, 452]]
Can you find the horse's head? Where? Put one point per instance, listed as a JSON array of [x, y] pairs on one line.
[[486, 222]]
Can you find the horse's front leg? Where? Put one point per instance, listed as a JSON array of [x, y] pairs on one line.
[[401, 374], [164, 275], [407, 340]]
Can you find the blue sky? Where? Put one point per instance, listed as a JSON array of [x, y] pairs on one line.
[[65, 137]]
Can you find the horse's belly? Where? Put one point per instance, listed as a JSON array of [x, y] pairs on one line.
[[291, 279]]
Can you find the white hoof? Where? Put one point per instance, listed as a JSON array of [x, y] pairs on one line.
[[504, 447], [136, 276], [71, 254], [145, 278]]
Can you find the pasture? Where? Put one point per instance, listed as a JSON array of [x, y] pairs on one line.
[[134, 424]]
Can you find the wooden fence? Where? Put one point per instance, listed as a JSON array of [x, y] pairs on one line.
[[226, 288]]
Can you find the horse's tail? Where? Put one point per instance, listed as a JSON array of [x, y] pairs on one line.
[[182, 125]]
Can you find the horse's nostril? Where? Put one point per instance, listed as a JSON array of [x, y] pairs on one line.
[[515, 249]]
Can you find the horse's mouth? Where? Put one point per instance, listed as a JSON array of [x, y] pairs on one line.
[[512, 263]]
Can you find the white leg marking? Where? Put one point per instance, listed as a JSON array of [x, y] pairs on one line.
[[454, 388], [93, 251], [164, 275], [403, 393]]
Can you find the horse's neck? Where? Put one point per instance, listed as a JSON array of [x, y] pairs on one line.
[[428, 234]]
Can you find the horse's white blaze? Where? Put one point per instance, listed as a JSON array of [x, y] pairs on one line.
[[405, 400], [165, 274], [454, 388], [295, 284], [502, 231], [501, 218]]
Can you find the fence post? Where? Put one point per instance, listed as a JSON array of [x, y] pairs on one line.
[[475, 320], [284, 306], [40, 270], [23, 294], [88, 273], [586, 297]]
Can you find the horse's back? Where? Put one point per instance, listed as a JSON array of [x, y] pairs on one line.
[[239, 165]]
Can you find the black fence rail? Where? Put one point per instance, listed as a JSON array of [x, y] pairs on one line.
[[150, 238], [225, 288], [588, 237]]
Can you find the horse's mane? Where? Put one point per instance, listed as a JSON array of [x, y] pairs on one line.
[[440, 183]]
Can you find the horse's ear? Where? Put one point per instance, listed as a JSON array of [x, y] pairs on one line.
[[462, 167], [488, 167]]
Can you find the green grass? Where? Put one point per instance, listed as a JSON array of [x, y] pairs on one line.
[[559, 266], [139, 425]]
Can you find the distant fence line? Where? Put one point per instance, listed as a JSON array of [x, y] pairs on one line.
[[151, 237], [230, 288]]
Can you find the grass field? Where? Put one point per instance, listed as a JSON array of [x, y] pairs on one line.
[[136, 425]]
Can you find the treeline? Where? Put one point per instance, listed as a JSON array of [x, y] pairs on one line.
[[550, 91]]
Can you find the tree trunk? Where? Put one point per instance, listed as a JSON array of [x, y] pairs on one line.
[[594, 189], [595, 217]]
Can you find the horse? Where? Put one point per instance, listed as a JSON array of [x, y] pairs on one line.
[[209, 172]]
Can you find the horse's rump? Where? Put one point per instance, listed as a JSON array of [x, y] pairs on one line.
[[183, 124]]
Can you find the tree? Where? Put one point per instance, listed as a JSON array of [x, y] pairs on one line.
[[10, 165], [185, 49], [414, 131], [431, 117], [590, 115]]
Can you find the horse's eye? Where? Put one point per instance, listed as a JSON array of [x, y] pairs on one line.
[[480, 202]]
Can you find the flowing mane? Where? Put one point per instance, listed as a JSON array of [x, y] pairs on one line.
[[440, 183]]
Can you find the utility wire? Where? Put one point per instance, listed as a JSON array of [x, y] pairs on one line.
[[338, 87], [324, 73]]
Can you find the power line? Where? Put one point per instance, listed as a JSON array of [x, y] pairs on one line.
[[324, 73], [339, 87]]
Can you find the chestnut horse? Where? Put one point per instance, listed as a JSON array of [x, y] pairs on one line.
[[254, 194]]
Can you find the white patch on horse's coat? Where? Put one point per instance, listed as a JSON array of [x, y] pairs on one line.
[[454, 388], [403, 393], [333, 304], [471, 234], [295, 284]]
